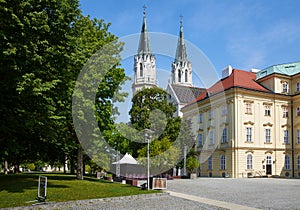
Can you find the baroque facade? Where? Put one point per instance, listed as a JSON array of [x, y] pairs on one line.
[[248, 123]]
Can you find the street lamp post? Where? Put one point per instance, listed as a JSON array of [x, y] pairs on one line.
[[148, 133]]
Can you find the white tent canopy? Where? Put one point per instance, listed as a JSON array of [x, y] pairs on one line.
[[127, 159]]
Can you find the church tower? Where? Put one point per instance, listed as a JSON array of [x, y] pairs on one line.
[[144, 62], [181, 67]]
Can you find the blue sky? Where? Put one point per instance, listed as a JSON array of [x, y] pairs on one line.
[[245, 34]]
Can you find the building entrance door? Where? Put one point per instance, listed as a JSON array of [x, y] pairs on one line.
[[269, 165], [269, 169]]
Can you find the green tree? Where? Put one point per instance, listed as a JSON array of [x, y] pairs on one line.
[[44, 45]]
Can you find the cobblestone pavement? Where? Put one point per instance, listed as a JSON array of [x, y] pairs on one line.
[[262, 193]]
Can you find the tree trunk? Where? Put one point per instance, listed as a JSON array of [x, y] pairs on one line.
[[80, 163], [5, 167], [72, 165]]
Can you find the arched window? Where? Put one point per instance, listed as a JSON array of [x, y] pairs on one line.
[[186, 75], [141, 70], [210, 163], [179, 76], [287, 162], [223, 162], [298, 162], [249, 161]]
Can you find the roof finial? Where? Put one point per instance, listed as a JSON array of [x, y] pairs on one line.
[[144, 9], [181, 20]]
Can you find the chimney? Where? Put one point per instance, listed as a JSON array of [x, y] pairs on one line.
[[226, 71]]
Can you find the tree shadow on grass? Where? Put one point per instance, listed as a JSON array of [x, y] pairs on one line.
[[18, 183]]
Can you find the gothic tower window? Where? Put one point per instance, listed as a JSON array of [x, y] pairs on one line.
[[186, 75], [141, 70], [179, 76]]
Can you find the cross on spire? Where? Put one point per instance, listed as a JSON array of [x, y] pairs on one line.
[[181, 19], [144, 7]]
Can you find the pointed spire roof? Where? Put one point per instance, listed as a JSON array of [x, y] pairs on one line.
[[181, 54], [144, 44]]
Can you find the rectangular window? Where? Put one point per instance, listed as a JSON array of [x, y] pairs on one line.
[[210, 163], [211, 137], [286, 136], [298, 111], [298, 86], [284, 87], [268, 135], [224, 135], [200, 118], [285, 112], [248, 108], [223, 162], [211, 114], [287, 163], [200, 140], [249, 134], [249, 162], [267, 110], [224, 110], [298, 136]]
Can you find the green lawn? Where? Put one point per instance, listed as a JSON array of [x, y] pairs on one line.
[[20, 189]]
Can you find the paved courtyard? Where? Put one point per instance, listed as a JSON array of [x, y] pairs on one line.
[[202, 193], [263, 193]]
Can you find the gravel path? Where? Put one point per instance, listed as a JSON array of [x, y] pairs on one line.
[[142, 202], [202, 193], [262, 193]]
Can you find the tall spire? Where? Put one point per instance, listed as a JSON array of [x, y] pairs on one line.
[[144, 44], [181, 67], [181, 54]]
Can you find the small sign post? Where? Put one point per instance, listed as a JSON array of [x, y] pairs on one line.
[[42, 189]]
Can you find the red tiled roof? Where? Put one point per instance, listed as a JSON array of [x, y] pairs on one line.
[[238, 78]]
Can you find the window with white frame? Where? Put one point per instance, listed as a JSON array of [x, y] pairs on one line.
[[200, 140], [298, 111], [284, 87], [298, 86], [248, 134], [211, 114], [268, 135], [285, 112], [211, 137], [298, 162], [267, 110], [200, 118], [248, 108], [210, 166], [249, 162], [298, 136], [224, 135], [223, 162], [286, 136], [269, 159], [287, 162], [224, 110]]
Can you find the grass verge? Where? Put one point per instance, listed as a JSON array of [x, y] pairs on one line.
[[21, 189]]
